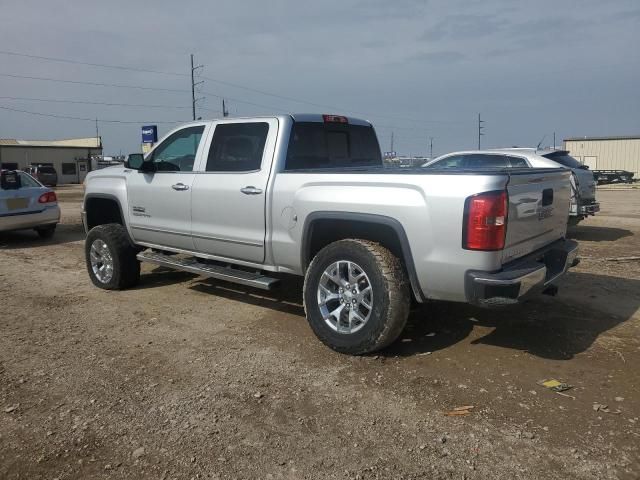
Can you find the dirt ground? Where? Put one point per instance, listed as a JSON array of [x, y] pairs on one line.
[[185, 377]]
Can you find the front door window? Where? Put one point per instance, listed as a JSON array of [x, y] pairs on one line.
[[178, 152]]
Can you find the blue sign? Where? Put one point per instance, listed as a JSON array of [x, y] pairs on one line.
[[150, 134]]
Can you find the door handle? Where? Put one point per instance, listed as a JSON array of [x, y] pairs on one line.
[[180, 186], [251, 190]]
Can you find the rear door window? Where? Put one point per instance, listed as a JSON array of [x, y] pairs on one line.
[[326, 145], [518, 162], [480, 160], [454, 161], [237, 147], [28, 181]]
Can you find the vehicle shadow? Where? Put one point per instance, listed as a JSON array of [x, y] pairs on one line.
[[597, 234], [550, 328], [287, 298], [65, 233], [161, 277]]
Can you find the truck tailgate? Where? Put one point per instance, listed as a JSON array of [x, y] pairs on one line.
[[538, 210]]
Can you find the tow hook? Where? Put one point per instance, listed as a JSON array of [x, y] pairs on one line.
[[551, 290]]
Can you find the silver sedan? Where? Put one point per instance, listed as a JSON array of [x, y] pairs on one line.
[[27, 204]]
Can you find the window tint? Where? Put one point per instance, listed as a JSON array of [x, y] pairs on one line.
[[473, 160], [455, 161], [564, 159], [178, 152], [322, 145], [518, 162], [479, 160], [27, 181], [68, 168], [237, 147], [338, 145], [46, 169]]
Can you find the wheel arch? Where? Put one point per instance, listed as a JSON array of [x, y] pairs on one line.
[[104, 208], [387, 231]]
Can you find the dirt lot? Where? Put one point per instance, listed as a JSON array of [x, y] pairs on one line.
[[185, 377]]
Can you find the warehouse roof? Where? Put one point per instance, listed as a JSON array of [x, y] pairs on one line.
[[619, 137], [91, 142]]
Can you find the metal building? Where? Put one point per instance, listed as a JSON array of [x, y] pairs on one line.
[[71, 158], [607, 153]]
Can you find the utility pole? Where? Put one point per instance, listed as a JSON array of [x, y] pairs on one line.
[[193, 86], [97, 134], [554, 140], [480, 129], [430, 148], [391, 149], [225, 112]]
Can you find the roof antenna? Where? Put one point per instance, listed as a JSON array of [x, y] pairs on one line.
[[540, 142]]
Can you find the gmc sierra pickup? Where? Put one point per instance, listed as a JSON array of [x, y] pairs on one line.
[[249, 200]]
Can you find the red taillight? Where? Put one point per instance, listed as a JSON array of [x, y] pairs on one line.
[[335, 119], [48, 197], [485, 221]]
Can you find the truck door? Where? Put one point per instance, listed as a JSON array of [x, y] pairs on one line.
[[159, 202], [229, 193]]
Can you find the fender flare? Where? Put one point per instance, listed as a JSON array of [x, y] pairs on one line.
[[374, 219], [113, 198]]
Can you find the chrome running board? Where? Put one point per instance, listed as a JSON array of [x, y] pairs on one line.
[[191, 264]]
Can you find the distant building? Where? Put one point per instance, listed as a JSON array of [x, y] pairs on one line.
[[71, 158], [607, 153]]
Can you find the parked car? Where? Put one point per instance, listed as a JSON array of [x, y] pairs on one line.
[[250, 200], [583, 201], [27, 204], [45, 174]]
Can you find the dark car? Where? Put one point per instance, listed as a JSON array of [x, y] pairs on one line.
[[45, 174]]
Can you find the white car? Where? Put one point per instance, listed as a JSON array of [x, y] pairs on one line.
[[583, 202]]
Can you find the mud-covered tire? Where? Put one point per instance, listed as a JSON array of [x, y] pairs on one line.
[[391, 296], [122, 257]]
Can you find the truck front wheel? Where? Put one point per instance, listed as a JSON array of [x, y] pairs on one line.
[[111, 259], [356, 296]]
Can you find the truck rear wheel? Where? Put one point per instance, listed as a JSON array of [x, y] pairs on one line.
[[356, 296], [111, 259]]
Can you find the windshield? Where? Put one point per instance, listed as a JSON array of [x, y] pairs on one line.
[[564, 159]]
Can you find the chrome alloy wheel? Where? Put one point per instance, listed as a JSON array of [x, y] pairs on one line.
[[101, 261], [345, 297]]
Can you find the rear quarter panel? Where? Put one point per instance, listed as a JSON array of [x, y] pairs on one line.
[[428, 206]]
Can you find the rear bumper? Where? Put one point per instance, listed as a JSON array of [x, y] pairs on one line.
[[521, 277], [48, 216], [588, 208]]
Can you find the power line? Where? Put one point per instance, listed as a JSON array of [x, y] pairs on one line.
[[102, 65], [86, 102], [215, 80], [97, 84], [246, 102], [68, 117]]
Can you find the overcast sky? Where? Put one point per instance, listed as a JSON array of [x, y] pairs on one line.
[[419, 68]]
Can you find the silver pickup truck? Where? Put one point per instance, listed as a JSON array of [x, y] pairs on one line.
[[250, 200]]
